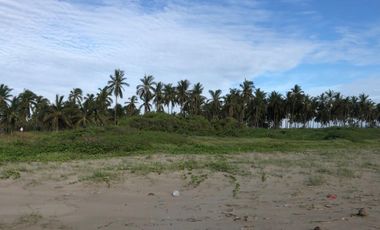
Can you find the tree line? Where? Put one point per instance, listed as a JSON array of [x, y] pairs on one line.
[[247, 104]]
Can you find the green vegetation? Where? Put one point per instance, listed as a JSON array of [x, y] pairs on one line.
[[29, 219], [10, 174], [101, 176], [196, 180], [140, 135], [315, 180], [245, 107]]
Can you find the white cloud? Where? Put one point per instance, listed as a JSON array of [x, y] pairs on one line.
[[56, 43], [368, 85], [359, 47], [52, 46]]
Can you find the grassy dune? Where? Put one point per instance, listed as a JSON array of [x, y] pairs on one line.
[[127, 139]]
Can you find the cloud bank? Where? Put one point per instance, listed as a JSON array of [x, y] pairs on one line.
[[52, 46]]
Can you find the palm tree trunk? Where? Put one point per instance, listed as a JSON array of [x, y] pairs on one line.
[[115, 110]]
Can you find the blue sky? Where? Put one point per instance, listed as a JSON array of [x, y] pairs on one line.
[[51, 46]]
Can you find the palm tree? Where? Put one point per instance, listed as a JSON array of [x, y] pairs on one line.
[[182, 94], [116, 86], [276, 109], [169, 96], [10, 117], [364, 108], [330, 95], [145, 91], [307, 110], [57, 115], [294, 104], [257, 109], [377, 118], [76, 96], [26, 103], [131, 107], [40, 110], [247, 94], [5, 98], [5, 95], [158, 97], [233, 104], [215, 103], [196, 99], [98, 105], [103, 99], [322, 115], [85, 117]]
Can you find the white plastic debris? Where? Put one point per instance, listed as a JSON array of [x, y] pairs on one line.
[[175, 193]]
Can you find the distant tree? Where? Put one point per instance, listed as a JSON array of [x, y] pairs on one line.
[[5, 95], [10, 117], [158, 97], [294, 99], [131, 108], [215, 103], [145, 91], [233, 104], [196, 100], [102, 101], [247, 88], [57, 116], [183, 94], [116, 86], [169, 96], [26, 103], [276, 109], [76, 96], [257, 109]]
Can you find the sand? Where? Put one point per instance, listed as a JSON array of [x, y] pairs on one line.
[[53, 196]]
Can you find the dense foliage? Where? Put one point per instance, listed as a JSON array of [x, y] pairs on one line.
[[107, 141], [241, 107]]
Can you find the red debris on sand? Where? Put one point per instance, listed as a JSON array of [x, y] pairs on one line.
[[331, 196]]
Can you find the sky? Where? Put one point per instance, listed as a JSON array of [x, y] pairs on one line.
[[52, 46]]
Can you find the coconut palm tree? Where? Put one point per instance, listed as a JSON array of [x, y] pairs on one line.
[[76, 96], [40, 110], [215, 103], [377, 118], [233, 104], [247, 94], [116, 86], [103, 99], [26, 103], [158, 97], [57, 116], [276, 109], [183, 94], [307, 110], [86, 114], [196, 99], [145, 91], [169, 96], [323, 110], [294, 99], [131, 107], [364, 109], [10, 117], [5, 95], [257, 109]]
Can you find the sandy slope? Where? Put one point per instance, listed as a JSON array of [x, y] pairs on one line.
[[52, 197]]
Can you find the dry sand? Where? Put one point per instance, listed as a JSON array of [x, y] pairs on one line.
[[272, 196]]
